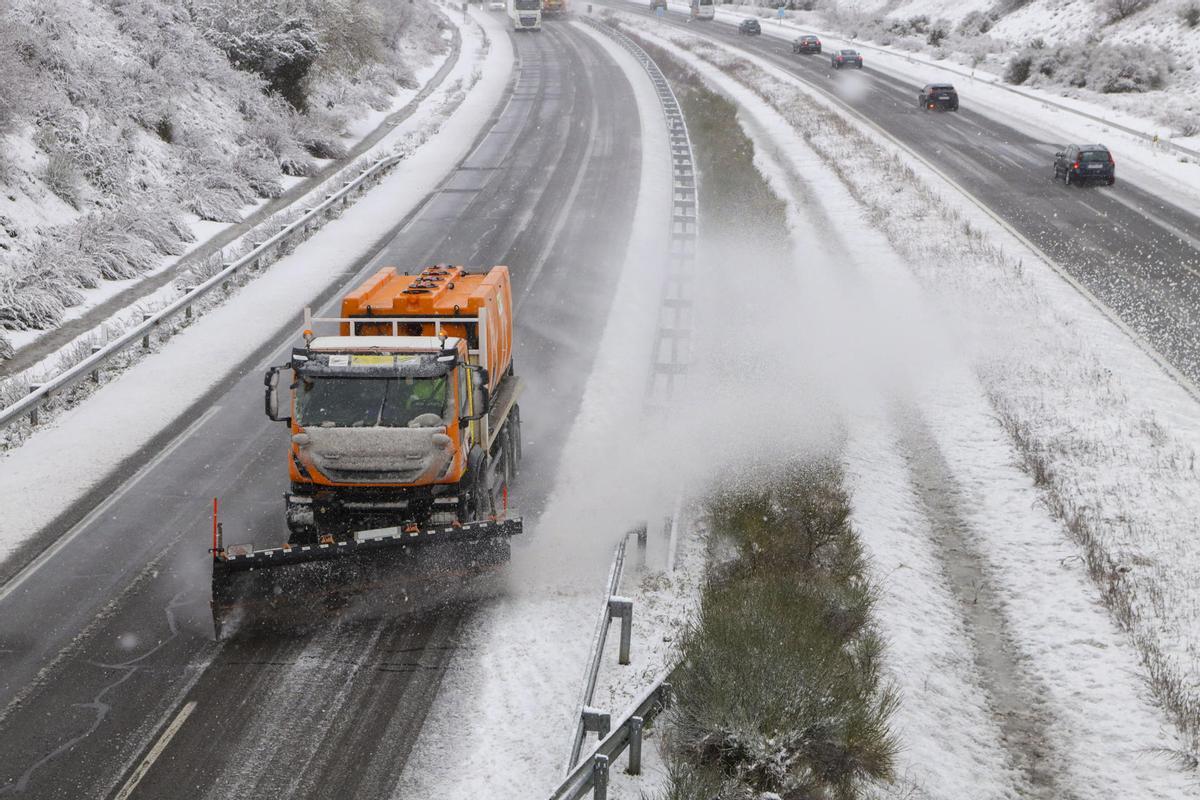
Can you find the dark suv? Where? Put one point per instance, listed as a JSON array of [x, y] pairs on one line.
[[1085, 163], [749, 27], [938, 96], [846, 58], [807, 44]]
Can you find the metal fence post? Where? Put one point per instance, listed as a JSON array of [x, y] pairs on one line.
[[596, 720], [622, 607], [146, 338], [600, 778], [635, 745], [33, 412], [95, 374]]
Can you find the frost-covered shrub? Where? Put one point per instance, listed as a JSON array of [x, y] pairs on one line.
[[976, 23], [1101, 67], [1189, 13], [275, 39], [61, 177], [1182, 123], [1117, 10]]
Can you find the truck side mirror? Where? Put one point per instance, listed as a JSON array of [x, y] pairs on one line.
[[271, 381]]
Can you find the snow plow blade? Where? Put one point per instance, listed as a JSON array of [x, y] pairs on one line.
[[378, 569]]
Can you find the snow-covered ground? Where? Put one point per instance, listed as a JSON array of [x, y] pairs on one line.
[[1017, 680], [44, 476]]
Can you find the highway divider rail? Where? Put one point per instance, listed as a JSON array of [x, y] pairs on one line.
[[262, 255], [671, 357]]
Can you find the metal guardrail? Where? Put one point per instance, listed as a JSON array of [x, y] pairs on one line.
[[312, 219], [591, 774], [615, 607]]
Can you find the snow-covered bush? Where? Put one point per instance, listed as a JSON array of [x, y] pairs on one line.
[[61, 177], [1100, 67], [276, 39], [1117, 10], [1183, 123], [1189, 13], [977, 22]]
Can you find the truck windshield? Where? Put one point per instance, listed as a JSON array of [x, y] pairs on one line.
[[368, 402], [528, 5]]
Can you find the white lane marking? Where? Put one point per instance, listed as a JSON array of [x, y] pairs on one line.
[[30, 569], [563, 213], [1093, 209], [1149, 216], [156, 751]]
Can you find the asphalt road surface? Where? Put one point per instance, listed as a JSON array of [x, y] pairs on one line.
[[1136, 251], [111, 684]]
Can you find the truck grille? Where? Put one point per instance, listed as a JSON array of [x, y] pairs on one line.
[[372, 476]]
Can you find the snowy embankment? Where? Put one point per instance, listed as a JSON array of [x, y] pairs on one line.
[[505, 731], [1017, 680], [46, 475], [128, 130], [1040, 112], [203, 233]]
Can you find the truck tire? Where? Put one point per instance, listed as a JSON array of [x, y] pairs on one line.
[[301, 522]]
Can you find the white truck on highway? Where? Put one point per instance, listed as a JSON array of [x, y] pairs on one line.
[[526, 15]]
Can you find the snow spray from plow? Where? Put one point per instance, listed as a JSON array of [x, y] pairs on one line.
[[668, 374]]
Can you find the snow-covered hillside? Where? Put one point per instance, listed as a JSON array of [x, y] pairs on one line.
[[125, 122]]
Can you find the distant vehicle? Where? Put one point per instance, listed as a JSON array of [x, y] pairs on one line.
[[939, 97], [497, 5], [1079, 164], [703, 9], [526, 15], [554, 7], [846, 58], [807, 44], [657, 4], [749, 27]]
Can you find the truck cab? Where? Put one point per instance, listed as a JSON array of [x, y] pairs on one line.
[[401, 418], [526, 15]]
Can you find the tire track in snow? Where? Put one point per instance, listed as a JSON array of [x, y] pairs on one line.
[[1018, 698]]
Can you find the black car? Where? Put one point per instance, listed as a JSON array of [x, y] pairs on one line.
[[938, 97], [1078, 164], [749, 27], [807, 44], [846, 58]]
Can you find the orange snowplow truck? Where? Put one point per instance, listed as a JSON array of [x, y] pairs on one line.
[[404, 431], [408, 415]]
